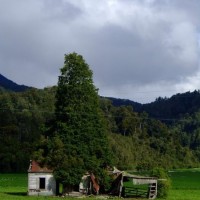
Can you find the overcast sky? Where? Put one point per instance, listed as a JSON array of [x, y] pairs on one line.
[[137, 49]]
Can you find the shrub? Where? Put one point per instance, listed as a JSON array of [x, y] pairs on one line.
[[163, 182]]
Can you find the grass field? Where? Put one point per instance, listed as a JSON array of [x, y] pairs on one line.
[[185, 186], [14, 187]]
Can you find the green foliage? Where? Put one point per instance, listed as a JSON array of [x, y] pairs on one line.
[[164, 182], [136, 140], [163, 188], [159, 173], [78, 137], [22, 117]]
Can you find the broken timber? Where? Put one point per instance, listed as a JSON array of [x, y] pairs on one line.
[[120, 189]]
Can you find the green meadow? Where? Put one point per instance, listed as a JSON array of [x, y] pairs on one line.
[[185, 186], [14, 187]]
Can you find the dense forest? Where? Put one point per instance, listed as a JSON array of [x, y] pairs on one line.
[[164, 133]]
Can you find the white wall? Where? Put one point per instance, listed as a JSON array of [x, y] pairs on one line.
[[34, 181]]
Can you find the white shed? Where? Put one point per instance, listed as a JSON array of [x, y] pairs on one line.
[[40, 180]]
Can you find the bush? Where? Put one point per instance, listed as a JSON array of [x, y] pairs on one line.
[[164, 182]]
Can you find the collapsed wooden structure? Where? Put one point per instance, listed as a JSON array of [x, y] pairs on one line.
[[121, 189], [89, 185], [41, 182]]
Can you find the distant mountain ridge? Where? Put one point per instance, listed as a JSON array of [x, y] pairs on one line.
[[125, 102], [174, 107], [162, 108], [12, 86]]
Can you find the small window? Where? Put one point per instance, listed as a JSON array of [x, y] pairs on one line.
[[42, 183]]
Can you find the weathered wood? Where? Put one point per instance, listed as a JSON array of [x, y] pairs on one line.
[[136, 192], [152, 191], [34, 184], [119, 189], [40, 180]]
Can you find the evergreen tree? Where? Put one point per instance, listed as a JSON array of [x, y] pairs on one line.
[[78, 142]]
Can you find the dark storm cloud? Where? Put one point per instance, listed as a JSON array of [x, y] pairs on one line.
[[152, 47], [131, 58], [31, 39], [133, 46]]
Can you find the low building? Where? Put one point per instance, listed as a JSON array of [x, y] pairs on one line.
[[40, 180], [132, 189]]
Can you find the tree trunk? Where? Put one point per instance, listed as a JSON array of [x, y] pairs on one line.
[[67, 189]]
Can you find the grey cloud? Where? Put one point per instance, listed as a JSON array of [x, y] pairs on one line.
[[61, 11], [130, 45], [125, 57], [29, 40]]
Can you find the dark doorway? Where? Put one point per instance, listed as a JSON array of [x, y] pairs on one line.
[[42, 183]]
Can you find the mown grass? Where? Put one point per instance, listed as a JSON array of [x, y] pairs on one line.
[[14, 187], [185, 179], [185, 186]]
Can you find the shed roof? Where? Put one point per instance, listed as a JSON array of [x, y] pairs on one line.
[[35, 167]]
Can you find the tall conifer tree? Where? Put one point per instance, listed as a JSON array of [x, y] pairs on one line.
[[79, 141]]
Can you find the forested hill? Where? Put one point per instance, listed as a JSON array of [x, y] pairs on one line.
[[132, 135], [7, 84], [125, 102], [162, 108], [166, 108]]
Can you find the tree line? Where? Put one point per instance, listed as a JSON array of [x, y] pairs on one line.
[[136, 139]]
